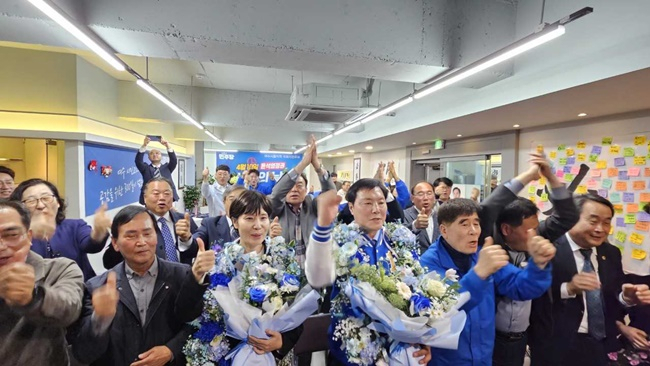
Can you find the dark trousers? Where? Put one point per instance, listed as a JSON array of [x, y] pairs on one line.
[[509, 349], [585, 350]]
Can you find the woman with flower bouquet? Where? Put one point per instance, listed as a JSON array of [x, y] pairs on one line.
[[383, 303], [255, 304]]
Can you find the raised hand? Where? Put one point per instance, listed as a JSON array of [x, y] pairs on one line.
[[275, 229], [583, 281], [105, 298], [43, 225], [314, 153], [183, 228], [157, 356], [206, 172], [636, 294], [164, 142], [17, 282], [491, 258], [540, 249], [204, 261], [102, 223], [146, 141], [422, 221], [328, 207]]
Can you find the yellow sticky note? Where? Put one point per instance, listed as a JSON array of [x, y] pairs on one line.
[[532, 199], [636, 238], [582, 145], [621, 237], [614, 149], [570, 152], [544, 197], [532, 189], [639, 160], [552, 154], [601, 164], [611, 230], [582, 157], [581, 190], [639, 140], [542, 181], [638, 254], [540, 149], [618, 208], [630, 219]]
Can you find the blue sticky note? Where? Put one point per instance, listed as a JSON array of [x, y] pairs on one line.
[[607, 183], [628, 197], [622, 175], [596, 150], [615, 197], [571, 160], [620, 222], [619, 162], [602, 193], [643, 217], [567, 169]]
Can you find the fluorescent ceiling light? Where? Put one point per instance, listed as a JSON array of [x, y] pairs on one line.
[[215, 138], [582, 115], [389, 108], [548, 33], [220, 150], [192, 120], [324, 138], [350, 151], [60, 18], [301, 149], [347, 128], [275, 152], [368, 147], [153, 91]]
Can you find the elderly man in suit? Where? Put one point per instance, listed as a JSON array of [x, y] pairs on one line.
[[219, 230], [422, 216], [137, 313], [174, 230], [576, 323], [156, 169]]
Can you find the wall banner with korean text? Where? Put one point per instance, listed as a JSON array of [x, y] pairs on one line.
[[264, 162]]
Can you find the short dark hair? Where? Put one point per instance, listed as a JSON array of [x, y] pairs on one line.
[[249, 202], [126, 215], [455, 208], [581, 199], [444, 180], [515, 212], [17, 195], [345, 182], [231, 189], [364, 184], [10, 172], [304, 177], [22, 211], [159, 179], [224, 167], [420, 182], [334, 175], [254, 171], [456, 189]]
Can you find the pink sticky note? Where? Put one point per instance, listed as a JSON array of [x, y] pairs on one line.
[[594, 173], [592, 184], [560, 173], [633, 172], [575, 169]]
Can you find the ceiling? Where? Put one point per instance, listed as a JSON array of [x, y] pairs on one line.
[[243, 56]]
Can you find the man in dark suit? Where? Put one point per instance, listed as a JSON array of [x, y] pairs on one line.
[[219, 230], [137, 313], [155, 169], [174, 230], [576, 323], [422, 217]]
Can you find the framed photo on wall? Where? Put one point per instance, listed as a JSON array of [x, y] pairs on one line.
[[356, 169], [181, 173]]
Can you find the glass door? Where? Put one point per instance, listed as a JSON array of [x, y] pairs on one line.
[[471, 176]]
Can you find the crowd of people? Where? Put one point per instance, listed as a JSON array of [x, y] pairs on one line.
[[552, 290]]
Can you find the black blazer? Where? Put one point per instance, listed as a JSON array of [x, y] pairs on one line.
[[555, 322], [147, 171], [111, 258], [214, 230], [410, 215], [176, 300]]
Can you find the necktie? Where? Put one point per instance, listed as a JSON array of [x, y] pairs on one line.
[[234, 235], [156, 172], [595, 314], [170, 243]]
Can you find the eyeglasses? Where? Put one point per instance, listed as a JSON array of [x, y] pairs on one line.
[[12, 238], [33, 202], [7, 183], [423, 194]]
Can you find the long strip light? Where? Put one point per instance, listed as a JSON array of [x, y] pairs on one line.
[[275, 152], [324, 138], [301, 149], [389, 108], [347, 128], [548, 33], [215, 138], [199, 125], [220, 150], [153, 91], [62, 19]]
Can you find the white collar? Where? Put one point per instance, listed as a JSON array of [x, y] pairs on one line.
[[167, 217], [575, 247]]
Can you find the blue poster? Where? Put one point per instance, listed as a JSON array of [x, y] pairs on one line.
[[264, 162], [110, 176]]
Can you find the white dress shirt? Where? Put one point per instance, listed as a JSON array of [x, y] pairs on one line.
[[213, 193]]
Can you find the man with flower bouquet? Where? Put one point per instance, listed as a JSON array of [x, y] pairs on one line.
[[383, 302], [256, 302], [484, 268]]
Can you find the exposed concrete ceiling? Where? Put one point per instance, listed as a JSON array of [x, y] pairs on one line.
[[255, 47]]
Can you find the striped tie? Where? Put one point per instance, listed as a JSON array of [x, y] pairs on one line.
[[170, 243], [156, 172]]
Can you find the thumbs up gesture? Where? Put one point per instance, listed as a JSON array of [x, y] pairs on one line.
[[491, 258], [204, 261], [206, 172], [101, 224], [541, 250], [275, 229], [422, 221], [105, 298], [183, 228]]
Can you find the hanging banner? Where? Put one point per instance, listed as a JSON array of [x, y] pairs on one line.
[[264, 162]]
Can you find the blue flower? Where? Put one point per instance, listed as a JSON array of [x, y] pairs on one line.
[[289, 280], [420, 302], [219, 279], [257, 294], [207, 331]]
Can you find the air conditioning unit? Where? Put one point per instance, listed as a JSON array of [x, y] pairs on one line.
[[327, 103]]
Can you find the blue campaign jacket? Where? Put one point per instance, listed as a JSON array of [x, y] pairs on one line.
[[477, 339]]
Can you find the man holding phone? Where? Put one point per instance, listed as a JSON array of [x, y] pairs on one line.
[[155, 169]]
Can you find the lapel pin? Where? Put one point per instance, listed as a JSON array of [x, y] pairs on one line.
[[603, 257]]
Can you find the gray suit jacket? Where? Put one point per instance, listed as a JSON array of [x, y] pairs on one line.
[[410, 215], [308, 212], [35, 334]]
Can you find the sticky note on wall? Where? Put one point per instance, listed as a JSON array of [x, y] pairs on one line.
[[642, 226], [621, 237], [638, 185], [645, 197], [618, 209], [570, 152], [601, 164], [607, 140], [607, 183], [646, 172], [621, 186], [638, 254], [632, 208], [639, 140], [639, 160], [552, 154], [630, 218], [628, 197], [614, 149], [582, 157], [628, 152], [634, 171], [596, 150], [615, 197], [581, 144], [612, 172], [619, 162], [581, 189]]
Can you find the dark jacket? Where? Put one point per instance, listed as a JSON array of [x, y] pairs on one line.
[[555, 321], [111, 258], [176, 300], [147, 171], [410, 215], [214, 230]]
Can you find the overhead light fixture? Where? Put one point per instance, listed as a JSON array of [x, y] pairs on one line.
[[324, 138], [413, 143], [329, 155], [515, 126], [215, 138], [339, 153], [547, 33], [64, 21], [275, 152], [459, 135], [368, 147], [153, 91], [351, 151], [192, 120], [582, 115], [389, 108], [220, 150], [347, 128], [301, 149]]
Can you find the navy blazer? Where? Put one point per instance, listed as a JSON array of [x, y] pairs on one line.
[[214, 230], [147, 171], [410, 215], [111, 258]]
